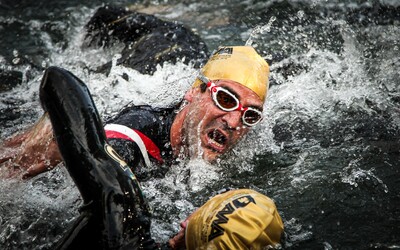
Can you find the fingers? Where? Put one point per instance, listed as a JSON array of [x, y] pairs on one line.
[[50, 161], [36, 169], [178, 241]]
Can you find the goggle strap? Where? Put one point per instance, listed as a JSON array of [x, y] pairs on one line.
[[203, 78]]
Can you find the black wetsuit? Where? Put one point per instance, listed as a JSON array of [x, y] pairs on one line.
[[115, 214], [155, 125]]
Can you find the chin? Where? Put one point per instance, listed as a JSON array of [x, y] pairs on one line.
[[210, 155]]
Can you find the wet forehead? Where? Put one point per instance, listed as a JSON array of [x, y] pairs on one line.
[[246, 96]]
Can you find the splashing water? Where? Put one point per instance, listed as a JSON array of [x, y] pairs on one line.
[[259, 30], [327, 151]]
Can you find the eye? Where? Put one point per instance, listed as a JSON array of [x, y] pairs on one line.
[[226, 100]]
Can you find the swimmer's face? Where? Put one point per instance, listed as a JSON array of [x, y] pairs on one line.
[[208, 130]]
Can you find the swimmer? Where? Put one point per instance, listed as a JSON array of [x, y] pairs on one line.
[[115, 214], [224, 103]]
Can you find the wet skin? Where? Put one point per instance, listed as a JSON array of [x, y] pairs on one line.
[[31, 152], [203, 129]]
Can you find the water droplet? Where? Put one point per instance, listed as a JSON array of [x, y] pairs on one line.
[[300, 14], [16, 60]]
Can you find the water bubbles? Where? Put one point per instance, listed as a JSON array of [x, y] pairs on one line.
[[37, 201], [355, 176], [300, 14], [164, 88], [327, 246], [296, 232], [258, 30], [44, 64], [16, 59], [267, 56]]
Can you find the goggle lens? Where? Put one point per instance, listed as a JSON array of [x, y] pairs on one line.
[[251, 117], [226, 100]]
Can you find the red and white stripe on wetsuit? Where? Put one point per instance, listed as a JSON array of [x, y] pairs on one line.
[[145, 144]]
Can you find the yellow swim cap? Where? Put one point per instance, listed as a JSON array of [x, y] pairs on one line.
[[238, 219], [241, 64]]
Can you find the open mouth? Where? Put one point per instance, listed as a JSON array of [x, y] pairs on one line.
[[217, 139]]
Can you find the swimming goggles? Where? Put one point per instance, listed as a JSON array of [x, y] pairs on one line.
[[227, 101]]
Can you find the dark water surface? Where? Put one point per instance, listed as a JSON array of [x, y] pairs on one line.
[[328, 151]]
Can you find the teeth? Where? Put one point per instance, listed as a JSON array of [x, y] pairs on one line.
[[215, 143], [217, 138]]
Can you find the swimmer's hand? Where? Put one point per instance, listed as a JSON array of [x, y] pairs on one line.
[[30, 153], [178, 241]]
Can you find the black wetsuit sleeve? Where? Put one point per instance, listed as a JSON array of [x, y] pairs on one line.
[[130, 152]]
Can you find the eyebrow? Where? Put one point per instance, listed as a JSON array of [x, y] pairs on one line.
[[238, 97]]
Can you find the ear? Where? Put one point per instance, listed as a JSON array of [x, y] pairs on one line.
[[190, 94]]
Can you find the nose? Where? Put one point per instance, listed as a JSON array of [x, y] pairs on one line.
[[233, 119]]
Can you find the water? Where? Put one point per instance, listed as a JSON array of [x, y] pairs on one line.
[[327, 151]]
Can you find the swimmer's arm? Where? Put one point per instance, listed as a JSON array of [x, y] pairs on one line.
[[31, 152], [35, 151]]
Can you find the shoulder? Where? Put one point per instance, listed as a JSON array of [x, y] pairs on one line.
[[130, 112], [139, 116]]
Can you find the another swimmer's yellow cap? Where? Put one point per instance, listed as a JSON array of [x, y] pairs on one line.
[[238, 219], [241, 64]]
